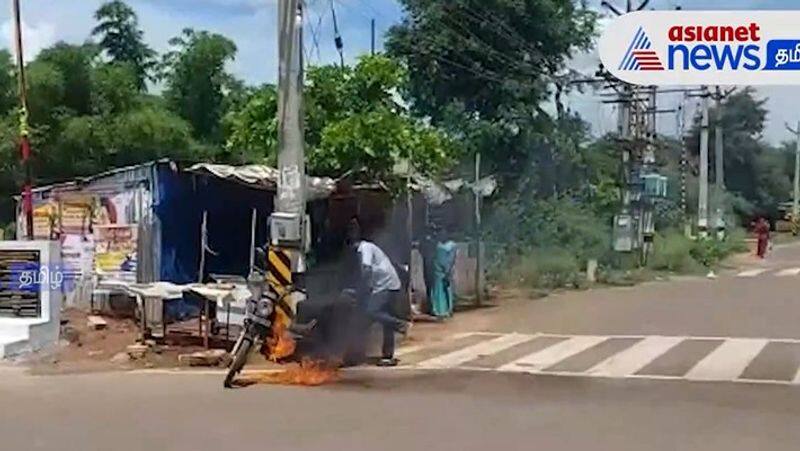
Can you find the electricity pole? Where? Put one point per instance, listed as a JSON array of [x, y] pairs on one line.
[[702, 208], [796, 197], [337, 37], [719, 167], [291, 152], [719, 164], [288, 221], [372, 36], [681, 118], [25, 145], [632, 225]]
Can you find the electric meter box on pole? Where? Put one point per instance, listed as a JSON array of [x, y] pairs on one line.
[[658, 48]]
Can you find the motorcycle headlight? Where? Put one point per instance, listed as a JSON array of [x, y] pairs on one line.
[[264, 308]]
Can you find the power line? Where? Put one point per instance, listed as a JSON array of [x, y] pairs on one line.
[[500, 26], [337, 37], [485, 74], [315, 32], [503, 57]]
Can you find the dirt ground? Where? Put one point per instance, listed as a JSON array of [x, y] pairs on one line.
[[83, 350]]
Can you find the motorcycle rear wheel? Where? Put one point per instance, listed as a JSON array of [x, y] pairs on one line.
[[239, 359]]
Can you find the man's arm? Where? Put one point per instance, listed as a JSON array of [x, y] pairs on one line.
[[364, 278]]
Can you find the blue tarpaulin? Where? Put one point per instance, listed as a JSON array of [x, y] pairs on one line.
[[182, 199]]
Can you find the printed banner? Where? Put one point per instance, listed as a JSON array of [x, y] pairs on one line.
[[115, 251]]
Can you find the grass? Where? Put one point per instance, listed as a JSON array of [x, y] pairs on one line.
[[552, 268], [673, 252], [544, 268]]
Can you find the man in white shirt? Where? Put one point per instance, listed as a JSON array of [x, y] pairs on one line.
[[380, 287]]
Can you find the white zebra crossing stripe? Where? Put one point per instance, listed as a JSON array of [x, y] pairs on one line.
[[552, 355], [473, 352], [408, 350], [788, 272], [752, 272], [728, 361], [636, 357]]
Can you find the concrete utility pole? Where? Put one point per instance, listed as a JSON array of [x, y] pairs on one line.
[[719, 164], [291, 151], [288, 223], [681, 118], [719, 167], [796, 197], [625, 134], [702, 208]]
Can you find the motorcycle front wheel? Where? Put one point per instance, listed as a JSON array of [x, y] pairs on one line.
[[239, 359]]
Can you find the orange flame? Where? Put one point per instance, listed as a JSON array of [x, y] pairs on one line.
[[308, 373], [281, 344]]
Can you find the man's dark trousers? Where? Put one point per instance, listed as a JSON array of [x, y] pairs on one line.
[[379, 308]]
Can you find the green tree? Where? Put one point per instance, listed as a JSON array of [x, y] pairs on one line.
[[10, 173], [196, 80], [755, 172], [123, 41], [482, 69], [252, 129], [354, 124], [372, 142], [8, 83], [488, 55], [75, 63], [114, 89], [147, 134], [46, 89]]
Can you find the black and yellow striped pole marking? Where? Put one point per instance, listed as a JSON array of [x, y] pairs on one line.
[[279, 268], [279, 277]]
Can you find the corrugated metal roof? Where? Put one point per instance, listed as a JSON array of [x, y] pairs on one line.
[[264, 177]]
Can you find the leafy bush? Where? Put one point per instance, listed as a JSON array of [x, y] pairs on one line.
[[545, 268], [673, 252], [707, 252], [710, 252], [10, 231], [524, 227]]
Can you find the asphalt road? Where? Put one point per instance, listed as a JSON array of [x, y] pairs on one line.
[[394, 411], [474, 392]]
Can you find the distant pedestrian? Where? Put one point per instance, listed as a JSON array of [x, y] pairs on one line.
[[762, 233], [442, 297]]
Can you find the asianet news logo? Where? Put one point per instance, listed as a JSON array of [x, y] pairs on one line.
[[714, 47]]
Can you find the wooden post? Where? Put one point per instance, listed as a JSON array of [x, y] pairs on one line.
[[410, 232], [25, 145], [203, 319], [253, 225], [206, 324], [143, 300], [478, 268], [203, 247]]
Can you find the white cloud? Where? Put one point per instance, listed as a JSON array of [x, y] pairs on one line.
[[36, 37]]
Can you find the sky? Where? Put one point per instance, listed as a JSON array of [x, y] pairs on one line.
[[251, 24]]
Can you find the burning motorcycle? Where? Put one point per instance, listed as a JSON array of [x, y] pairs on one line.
[[322, 330], [268, 321]]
